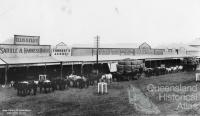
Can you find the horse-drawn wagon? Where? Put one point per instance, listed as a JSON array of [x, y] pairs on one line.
[[128, 69]]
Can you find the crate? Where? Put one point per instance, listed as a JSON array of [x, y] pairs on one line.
[[197, 76], [102, 88]]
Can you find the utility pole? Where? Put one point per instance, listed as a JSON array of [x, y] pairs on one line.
[[61, 70], [97, 51]]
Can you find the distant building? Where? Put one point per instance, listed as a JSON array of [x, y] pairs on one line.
[[178, 48], [104, 49], [144, 46], [61, 49], [116, 49], [196, 45]]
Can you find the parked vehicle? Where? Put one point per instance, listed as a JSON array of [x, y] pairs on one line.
[[190, 63], [129, 69]]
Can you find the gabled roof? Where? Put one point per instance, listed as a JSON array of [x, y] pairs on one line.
[[145, 45], [61, 44]]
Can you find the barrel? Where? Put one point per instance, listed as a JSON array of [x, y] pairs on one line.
[[127, 63]]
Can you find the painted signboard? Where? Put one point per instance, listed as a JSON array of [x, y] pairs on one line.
[[10, 50], [61, 49], [26, 40]]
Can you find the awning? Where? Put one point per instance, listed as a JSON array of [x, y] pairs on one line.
[[166, 57], [78, 59], [30, 60], [39, 61], [114, 58]]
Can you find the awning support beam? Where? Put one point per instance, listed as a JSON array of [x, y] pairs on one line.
[[45, 68], [72, 68], [61, 70], [82, 68], [6, 74]]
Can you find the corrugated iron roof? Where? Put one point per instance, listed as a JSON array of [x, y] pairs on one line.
[[117, 45], [115, 57], [30, 60], [80, 59]]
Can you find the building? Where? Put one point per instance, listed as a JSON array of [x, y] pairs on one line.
[[26, 59], [118, 49], [104, 49], [61, 49], [196, 45], [178, 48]]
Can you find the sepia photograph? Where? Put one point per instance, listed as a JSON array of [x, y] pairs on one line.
[[99, 58]]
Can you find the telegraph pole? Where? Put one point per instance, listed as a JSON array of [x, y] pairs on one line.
[[97, 51], [97, 47]]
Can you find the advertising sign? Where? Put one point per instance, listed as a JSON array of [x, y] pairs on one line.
[[9, 50], [26, 40]]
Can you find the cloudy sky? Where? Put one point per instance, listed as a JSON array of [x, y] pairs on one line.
[[79, 21]]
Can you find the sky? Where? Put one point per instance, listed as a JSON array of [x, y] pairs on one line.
[[115, 21]]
